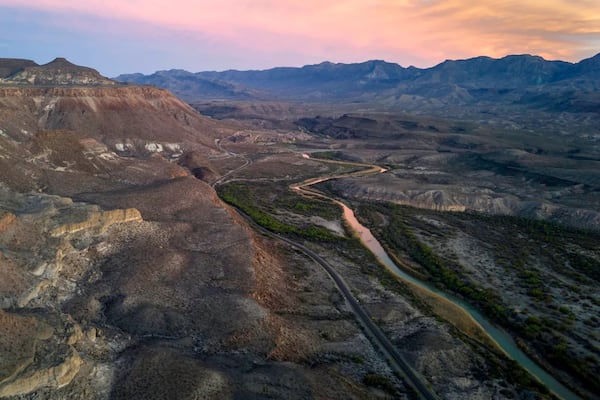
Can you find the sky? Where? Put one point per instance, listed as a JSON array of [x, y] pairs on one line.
[[125, 36]]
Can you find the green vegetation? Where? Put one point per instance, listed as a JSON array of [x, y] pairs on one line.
[[245, 197], [534, 253], [513, 372], [332, 155], [380, 382], [397, 236], [357, 359], [548, 240], [287, 200]]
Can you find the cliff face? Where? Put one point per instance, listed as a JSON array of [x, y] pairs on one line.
[[53, 377], [64, 96], [110, 114], [98, 221], [99, 136], [41, 350]]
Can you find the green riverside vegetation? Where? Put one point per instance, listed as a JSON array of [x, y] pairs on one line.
[[535, 254], [397, 236], [258, 207], [270, 204]]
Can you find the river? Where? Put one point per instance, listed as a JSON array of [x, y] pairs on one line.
[[500, 336]]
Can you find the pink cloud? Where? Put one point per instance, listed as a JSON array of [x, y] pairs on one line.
[[421, 31]]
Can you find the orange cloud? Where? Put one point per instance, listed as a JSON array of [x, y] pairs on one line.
[[426, 31]]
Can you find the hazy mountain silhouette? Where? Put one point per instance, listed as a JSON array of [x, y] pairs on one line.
[[512, 79]]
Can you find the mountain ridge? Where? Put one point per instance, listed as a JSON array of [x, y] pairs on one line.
[[508, 80]]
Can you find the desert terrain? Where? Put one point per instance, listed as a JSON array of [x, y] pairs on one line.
[[129, 268]]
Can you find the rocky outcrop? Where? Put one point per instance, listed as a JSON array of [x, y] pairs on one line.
[[19, 336], [10, 66], [430, 204], [39, 352], [6, 219], [110, 114], [58, 72], [99, 221], [54, 377], [461, 197]]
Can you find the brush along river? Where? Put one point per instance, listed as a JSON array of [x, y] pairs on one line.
[[500, 338]]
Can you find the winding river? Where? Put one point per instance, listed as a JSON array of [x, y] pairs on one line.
[[500, 336]]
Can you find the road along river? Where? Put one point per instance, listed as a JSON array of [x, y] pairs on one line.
[[501, 338], [396, 361], [414, 381]]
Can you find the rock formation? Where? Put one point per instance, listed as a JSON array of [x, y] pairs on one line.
[[10, 66], [98, 221], [57, 72]]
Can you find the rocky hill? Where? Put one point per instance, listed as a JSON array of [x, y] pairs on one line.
[[57, 72], [10, 66], [515, 78], [109, 114], [93, 208]]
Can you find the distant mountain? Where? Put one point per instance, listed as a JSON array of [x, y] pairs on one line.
[[510, 72], [188, 85], [312, 82], [511, 79], [10, 66], [322, 81], [58, 72]]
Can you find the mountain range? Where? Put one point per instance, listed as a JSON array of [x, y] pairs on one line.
[[522, 79]]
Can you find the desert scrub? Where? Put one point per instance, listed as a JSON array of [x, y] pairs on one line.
[[552, 270], [333, 155], [305, 206], [244, 197], [399, 238], [380, 382]]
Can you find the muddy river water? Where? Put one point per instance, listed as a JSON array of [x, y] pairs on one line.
[[500, 336]]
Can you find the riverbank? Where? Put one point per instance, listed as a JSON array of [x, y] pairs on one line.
[[466, 318]]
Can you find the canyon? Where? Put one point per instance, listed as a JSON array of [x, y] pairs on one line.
[[127, 270]]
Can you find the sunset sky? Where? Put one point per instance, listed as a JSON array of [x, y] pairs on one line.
[[122, 36]]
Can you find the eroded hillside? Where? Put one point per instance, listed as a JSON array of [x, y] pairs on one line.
[[123, 275]]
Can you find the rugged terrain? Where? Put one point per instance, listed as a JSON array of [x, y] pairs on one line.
[[125, 275], [468, 166], [57, 72], [461, 174]]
